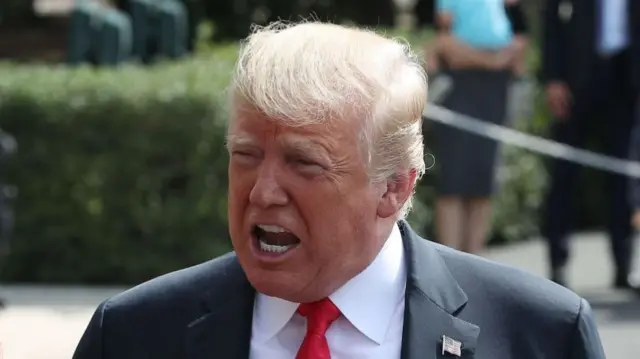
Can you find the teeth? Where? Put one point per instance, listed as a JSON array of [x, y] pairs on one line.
[[272, 228], [274, 248]]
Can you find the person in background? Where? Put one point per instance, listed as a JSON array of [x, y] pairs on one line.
[[460, 48], [590, 68], [448, 49], [634, 185], [520, 29], [474, 47], [456, 52], [521, 92]]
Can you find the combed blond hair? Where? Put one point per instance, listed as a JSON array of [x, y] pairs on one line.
[[311, 72]]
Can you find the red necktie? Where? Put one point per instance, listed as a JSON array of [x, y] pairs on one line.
[[319, 316]]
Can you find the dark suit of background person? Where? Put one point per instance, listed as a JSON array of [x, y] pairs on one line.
[[603, 86], [496, 312], [634, 183]]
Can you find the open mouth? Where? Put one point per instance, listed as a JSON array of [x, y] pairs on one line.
[[274, 239]]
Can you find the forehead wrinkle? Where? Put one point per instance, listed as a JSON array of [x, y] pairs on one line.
[[311, 146], [310, 139], [301, 144]]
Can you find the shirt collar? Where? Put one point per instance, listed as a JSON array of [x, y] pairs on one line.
[[367, 301]]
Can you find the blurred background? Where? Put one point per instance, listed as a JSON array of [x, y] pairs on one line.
[[114, 171]]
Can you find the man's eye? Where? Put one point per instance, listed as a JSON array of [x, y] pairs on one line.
[[308, 167], [243, 154], [304, 162], [245, 157]]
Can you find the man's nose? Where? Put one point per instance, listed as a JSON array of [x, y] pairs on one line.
[[267, 190]]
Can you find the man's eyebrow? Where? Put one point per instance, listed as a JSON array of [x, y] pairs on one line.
[[239, 140]]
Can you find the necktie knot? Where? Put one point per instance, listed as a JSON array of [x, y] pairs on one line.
[[319, 315]]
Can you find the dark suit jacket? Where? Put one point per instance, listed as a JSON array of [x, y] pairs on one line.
[[634, 155], [497, 312], [569, 42]]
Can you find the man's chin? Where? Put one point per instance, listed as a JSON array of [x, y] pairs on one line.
[[274, 285], [288, 286]]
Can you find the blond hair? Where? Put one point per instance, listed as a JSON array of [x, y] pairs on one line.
[[311, 72]]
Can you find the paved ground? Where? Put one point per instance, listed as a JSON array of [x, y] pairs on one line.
[[46, 322]]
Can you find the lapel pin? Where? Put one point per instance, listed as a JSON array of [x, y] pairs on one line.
[[451, 346]]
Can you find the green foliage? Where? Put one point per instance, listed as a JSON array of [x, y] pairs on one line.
[[122, 173]]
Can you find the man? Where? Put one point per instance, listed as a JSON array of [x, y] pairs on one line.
[[326, 148], [590, 69]]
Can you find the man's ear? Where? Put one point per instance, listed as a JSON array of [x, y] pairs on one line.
[[399, 189]]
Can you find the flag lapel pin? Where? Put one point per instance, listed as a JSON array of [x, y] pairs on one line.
[[451, 346]]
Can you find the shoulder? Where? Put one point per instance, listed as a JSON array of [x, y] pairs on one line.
[[530, 310], [182, 288], [157, 312], [512, 289]]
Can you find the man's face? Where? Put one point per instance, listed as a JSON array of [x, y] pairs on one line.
[[302, 212]]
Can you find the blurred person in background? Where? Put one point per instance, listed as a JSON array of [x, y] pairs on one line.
[[590, 68], [475, 48], [458, 53], [520, 28], [634, 155], [522, 90]]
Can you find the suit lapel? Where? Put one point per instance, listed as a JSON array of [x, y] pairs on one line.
[[224, 328], [433, 302]]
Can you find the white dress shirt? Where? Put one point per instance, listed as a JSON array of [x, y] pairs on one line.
[[614, 28], [372, 307]]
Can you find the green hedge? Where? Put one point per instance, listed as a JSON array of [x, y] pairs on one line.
[[122, 173]]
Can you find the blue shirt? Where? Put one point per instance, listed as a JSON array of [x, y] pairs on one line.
[[614, 28], [482, 24]]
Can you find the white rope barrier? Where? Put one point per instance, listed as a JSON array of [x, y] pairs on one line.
[[529, 142]]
